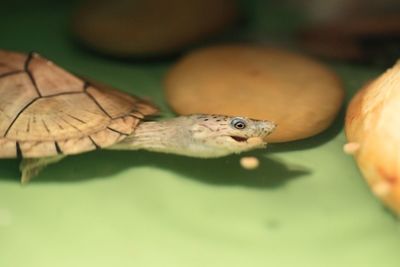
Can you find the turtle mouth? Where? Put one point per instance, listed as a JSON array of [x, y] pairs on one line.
[[239, 138]]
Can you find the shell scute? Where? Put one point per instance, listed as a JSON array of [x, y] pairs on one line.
[[58, 118], [46, 111], [33, 149], [8, 148], [106, 137], [11, 62], [51, 79], [16, 93], [76, 145], [124, 125]]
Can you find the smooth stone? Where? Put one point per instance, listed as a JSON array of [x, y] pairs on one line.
[[298, 93], [144, 28], [370, 39]]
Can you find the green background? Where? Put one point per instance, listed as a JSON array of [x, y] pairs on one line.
[[306, 205]]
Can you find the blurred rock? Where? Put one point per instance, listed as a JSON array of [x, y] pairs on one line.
[[369, 39], [330, 10], [143, 28], [301, 95]]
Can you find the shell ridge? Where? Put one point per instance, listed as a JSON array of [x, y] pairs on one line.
[[116, 131], [61, 94], [70, 124], [97, 104], [19, 114], [30, 75], [19, 151], [94, 143], [14, 72], [46, 126], [58, 148]]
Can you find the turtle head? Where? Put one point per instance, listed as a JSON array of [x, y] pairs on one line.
[[218, 135], [203, 136]]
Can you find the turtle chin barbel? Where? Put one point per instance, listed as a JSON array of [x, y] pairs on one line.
[[46, 113]]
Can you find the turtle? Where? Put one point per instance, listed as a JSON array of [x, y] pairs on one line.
[[48, 113]]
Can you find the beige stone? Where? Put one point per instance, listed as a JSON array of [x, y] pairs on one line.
[[149, 27], [300, 94], [373, 122]]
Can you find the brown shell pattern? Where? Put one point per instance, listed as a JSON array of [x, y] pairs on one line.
[[47, 111]]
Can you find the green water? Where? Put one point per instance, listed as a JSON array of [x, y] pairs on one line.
[[306, 205]]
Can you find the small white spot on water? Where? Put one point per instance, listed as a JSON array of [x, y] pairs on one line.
[[5, 217], [249, 163]]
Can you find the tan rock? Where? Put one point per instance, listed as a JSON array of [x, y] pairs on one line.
[[299, 94], [373, 122], [150, 27]]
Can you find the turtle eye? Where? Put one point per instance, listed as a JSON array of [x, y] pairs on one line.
[[238, 123]]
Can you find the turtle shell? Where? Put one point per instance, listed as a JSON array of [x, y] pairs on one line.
[[46, 111]]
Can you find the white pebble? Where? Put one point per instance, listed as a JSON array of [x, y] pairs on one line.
[[381, 188], [351, 148], [249, 163], [5, 217]]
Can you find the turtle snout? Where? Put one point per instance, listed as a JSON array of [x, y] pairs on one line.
[[268, 127]]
